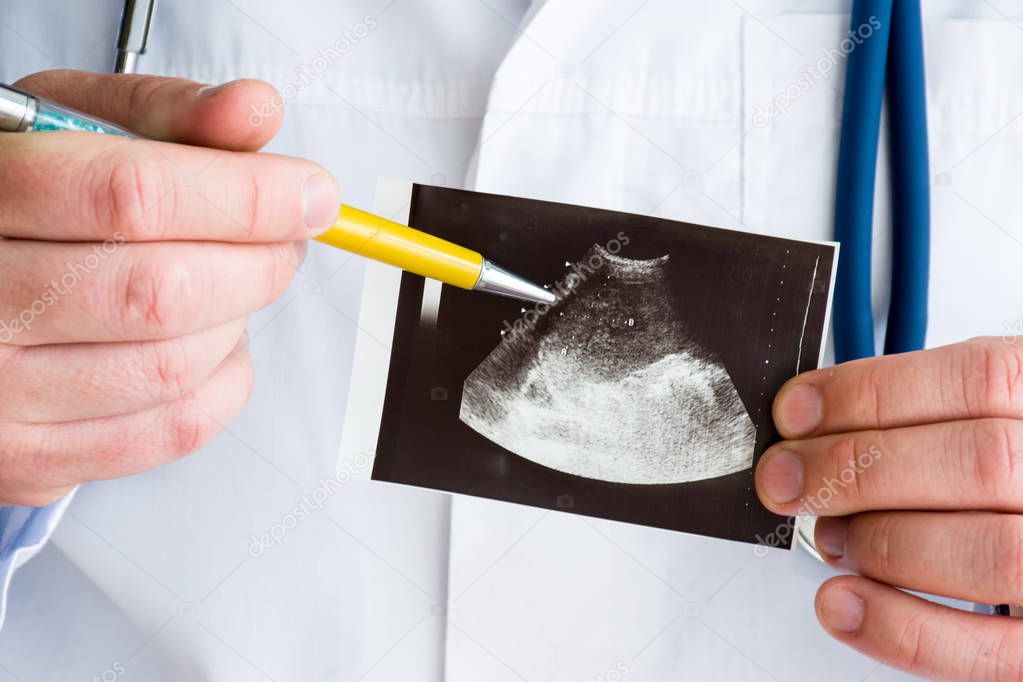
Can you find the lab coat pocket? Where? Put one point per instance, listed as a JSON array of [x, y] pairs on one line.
[[793, 79], [794, 73], [976, 141], [793, 70]]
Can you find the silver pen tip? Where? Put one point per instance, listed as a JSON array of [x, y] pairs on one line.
[[496, 280]]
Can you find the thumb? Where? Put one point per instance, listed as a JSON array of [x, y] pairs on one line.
[[237, 116]]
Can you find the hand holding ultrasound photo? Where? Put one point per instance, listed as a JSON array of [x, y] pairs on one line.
[[643, 394]]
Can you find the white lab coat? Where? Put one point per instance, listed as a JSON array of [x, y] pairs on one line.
[[637, 105]]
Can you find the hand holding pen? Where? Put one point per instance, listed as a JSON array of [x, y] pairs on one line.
[[356, 231], [128, 270]]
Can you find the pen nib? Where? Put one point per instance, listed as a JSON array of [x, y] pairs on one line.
[[497, 280]]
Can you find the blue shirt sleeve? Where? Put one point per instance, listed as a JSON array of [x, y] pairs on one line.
[[23, 532]]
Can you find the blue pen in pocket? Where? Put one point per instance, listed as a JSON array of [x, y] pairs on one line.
[[22, 111]]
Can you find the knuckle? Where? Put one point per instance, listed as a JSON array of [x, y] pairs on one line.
[[871, 536], [993, 377], [995, 448], [126, 195], [912, 643], [141, 92], [189, 426], [160, 296], [1006, 548], [244, 206], [277, 276], [846, 478], [188, 429], [252, 204], [169, 369], [872, 391]]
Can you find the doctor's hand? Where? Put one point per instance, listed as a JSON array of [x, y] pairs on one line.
[[914, 464], [128, 269]]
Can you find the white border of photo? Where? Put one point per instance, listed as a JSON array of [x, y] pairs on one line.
[[372, 356]]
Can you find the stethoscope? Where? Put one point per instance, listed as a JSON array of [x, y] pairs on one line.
[[892, 60]]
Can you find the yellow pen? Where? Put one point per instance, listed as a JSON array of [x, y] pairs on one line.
[[355, 231], [424, 254]]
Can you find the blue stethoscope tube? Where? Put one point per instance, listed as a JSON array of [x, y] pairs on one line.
[[894, 55], [898, 59], [911, 193]]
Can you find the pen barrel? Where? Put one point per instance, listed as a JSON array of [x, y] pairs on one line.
[[389, 242]]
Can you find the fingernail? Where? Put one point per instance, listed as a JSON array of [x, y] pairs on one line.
[[841, 610], [800, 410], [208, 91], [781, 476], [321, 200], [830, 534]]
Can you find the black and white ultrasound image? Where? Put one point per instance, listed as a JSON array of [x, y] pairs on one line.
[[642, 395]]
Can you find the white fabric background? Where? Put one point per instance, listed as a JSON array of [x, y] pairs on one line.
[[639, 106]]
